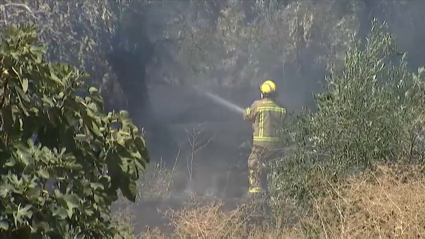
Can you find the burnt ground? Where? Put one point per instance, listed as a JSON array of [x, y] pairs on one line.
[[219, 167], [219, 171]]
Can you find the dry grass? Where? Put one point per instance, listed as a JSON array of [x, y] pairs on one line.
[[124, 219], [210, 220], [157, 182], [386, 203]]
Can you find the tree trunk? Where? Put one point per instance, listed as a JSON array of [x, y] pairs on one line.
[[129, 67]]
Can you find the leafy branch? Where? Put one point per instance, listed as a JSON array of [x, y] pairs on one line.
[[54, 131]]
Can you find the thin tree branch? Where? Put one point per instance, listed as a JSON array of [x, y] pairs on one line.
[[3, 6]]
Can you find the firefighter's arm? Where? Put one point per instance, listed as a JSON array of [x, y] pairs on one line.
[[249, 113]]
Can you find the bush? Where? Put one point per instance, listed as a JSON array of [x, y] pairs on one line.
[[388, 203], [371, 111], [211, 219], [50, 134]]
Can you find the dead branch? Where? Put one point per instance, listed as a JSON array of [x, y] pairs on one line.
[[19, 5]]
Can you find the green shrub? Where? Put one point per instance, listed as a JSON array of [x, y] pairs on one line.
[[53, 129], [371, 111]]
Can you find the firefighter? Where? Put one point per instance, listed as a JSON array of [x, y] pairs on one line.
[[266, 116]]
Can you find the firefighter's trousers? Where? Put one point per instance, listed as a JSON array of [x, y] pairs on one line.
[[257, 167]]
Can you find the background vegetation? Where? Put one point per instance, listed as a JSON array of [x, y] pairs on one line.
[[213, 42]]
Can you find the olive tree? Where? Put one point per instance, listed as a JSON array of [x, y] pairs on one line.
[[292, 43], [371, 111]]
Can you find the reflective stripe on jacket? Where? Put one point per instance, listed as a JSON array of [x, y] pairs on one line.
[[267, 117]]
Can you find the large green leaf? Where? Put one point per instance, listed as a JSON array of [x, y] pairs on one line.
[[72, 201], [23, 213], [34, 192], [129, 189], [60, 212], [43, 173]]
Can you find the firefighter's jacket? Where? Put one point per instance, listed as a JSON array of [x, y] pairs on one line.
[[267, 117]]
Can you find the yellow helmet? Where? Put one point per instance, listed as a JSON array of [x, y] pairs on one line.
[[268, 87]]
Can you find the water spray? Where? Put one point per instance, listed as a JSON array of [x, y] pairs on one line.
[[221, 101]]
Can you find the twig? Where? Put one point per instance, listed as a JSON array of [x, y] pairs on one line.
[[230, 167], [3, 6], [195, 147], [172, 172], [322, 221]]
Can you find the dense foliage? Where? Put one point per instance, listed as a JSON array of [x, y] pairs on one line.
[[53, 132], [371, 111], [220, 42]]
